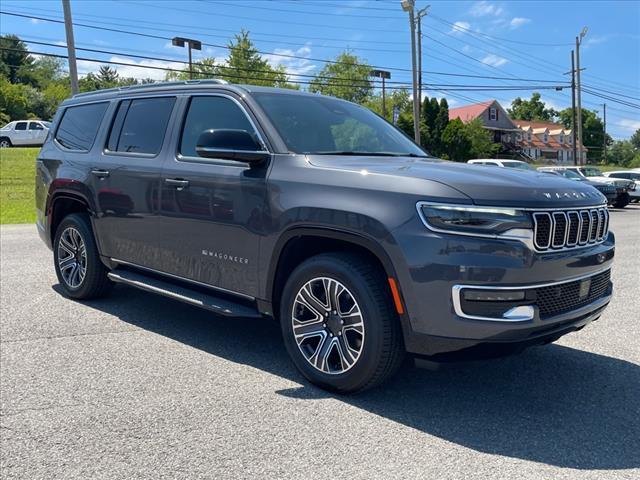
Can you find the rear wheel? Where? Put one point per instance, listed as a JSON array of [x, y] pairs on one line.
[[80, 272], [338, 323]]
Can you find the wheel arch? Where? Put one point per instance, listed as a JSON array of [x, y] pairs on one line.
[[63, 204], [288, 254]]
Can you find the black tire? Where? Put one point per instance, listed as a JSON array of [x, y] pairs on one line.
[[622, 200], [5, 142], [381, 349], [94, 283]]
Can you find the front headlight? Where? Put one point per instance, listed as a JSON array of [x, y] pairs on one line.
[[473, 220]]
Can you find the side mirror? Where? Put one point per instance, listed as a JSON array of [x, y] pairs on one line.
[[238, 145]]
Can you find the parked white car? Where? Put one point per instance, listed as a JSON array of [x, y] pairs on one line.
[[501, 163], [21, 133], [628, 175]]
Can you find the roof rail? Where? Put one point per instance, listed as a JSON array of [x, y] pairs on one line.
[[215, 81]]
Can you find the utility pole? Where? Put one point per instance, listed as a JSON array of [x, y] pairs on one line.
[[191, 44], [383, 74], [71, 46], [579, 87], [573, 108], [604, 139], [408, 6], [421, 13]]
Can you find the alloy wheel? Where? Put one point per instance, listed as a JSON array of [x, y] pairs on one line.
[[72, 257], [327, 325]]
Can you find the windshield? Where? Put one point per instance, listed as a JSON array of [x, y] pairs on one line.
[[323, 125], [591, 172], [519, 165], [571, 175]]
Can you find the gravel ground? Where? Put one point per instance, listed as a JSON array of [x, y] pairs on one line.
[[139, 386]]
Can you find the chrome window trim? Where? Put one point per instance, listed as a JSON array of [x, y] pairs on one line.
[[456, 294], [177, 277], [197, 159]]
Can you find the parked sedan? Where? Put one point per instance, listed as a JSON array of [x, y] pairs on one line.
[[24, 133], [633, 175], [606, 189]]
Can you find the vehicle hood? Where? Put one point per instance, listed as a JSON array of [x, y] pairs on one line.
[[485, 185]]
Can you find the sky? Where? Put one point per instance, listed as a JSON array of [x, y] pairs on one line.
[[522, 44]]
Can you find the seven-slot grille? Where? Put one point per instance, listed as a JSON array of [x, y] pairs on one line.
[[570, 228]]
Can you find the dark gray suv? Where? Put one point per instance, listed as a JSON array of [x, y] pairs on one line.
[[259, 202]]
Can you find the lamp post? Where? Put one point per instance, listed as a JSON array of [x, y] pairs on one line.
[[192, 45], [579, 88], [383, 74], [408, 6]]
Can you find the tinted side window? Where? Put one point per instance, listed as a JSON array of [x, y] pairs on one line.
[[21, 126], [79, 126], [35, 126], [140, 125], [207, 113]]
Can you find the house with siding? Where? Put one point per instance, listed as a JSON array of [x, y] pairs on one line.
[[529, 140]]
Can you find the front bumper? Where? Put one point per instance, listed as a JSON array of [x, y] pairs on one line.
[[435, 268]]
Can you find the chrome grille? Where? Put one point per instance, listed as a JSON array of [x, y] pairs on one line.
[[555, 230]]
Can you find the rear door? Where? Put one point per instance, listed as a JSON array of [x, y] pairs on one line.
[[212, 209], [126, 178], [20, 134]]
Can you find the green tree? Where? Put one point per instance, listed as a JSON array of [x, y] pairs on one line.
[[622, 153], [593, 135], [455, 141], [246, 65], [14, 58], [482, 145], [533, 109], [635, 139], [399, 99], [347, 78], [14, 100]]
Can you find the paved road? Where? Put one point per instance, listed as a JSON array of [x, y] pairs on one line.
[[137, 386]]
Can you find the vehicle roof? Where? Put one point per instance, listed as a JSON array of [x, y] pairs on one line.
[[178, 86]]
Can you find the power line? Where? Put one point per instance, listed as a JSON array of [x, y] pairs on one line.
[[129, 32]]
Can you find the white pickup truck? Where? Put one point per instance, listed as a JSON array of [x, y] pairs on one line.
[[22, 133]]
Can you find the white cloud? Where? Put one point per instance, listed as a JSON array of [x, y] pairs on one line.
[[484, 8], [36, 21], [628, 124], [460, 27], [494, 60], [467, 49], [292, 66], [136, 69], [518, 22]]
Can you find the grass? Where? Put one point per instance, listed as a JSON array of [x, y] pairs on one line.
[[17, 176]]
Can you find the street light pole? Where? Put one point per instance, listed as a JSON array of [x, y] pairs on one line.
[[408, 6], [579, 88], [604, 140], [573, 109], [421, 13], [71, 46], [191, 44], [383, 74]]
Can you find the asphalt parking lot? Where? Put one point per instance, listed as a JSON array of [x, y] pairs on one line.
[[139, 386]]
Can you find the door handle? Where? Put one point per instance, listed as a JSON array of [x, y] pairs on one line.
[[100, 173], [176, 182]]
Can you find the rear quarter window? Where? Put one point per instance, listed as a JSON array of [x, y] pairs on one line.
[[79, 126], [140, 125]]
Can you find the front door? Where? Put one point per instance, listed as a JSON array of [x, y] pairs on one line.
[[126, 180], [212, 210]]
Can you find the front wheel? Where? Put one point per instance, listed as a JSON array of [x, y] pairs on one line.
[[5, 142], [622, 200], [80, 272], [338, 323]]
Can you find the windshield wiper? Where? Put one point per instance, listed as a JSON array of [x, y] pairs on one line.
[[366, 154]]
